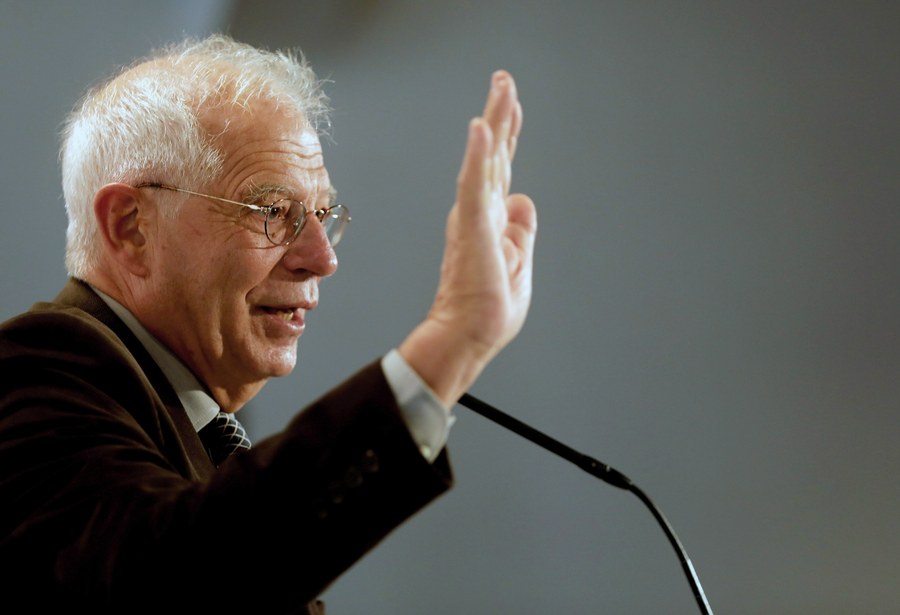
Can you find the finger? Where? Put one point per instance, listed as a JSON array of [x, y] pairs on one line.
[[499, 115], [522, 222], [500, 107], [500, 80], [472, 181], [515, 130], [518, 249], [508, 102]]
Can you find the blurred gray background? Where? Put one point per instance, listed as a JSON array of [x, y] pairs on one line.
[[717, 285]]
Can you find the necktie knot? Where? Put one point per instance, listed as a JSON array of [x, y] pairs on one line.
[[223, 436]]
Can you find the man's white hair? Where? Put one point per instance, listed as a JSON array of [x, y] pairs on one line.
[[143, 124]]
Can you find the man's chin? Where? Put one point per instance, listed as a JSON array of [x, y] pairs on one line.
[[282, 362]]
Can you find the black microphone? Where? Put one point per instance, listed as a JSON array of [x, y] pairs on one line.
[[600, 470]]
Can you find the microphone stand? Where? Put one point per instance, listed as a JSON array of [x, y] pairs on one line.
[[599, 470]]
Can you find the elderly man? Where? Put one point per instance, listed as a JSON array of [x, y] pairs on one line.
[[201, 220]]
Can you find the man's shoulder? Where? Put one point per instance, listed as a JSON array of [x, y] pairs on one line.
[[66, 361], [74, 338], [56, 325]]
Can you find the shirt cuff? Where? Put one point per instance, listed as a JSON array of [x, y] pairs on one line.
[[425, 416]]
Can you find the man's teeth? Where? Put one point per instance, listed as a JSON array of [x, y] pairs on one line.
[[286, 314]]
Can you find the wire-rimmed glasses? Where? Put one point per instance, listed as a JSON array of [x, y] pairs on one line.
[[284, 218]]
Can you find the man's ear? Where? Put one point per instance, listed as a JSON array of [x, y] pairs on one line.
[[124, 218]]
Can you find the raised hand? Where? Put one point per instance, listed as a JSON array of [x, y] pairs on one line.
[[485, 286]]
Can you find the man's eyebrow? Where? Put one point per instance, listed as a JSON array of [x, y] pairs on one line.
[[257, 192]]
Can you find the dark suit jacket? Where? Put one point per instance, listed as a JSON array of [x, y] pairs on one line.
[[108, 502]]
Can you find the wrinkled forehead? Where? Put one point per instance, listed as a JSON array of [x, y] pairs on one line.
[[265, 143]]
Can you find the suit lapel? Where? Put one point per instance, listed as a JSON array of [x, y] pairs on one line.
[[180, 442]]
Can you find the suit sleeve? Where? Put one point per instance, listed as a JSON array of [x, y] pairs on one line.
[[98, 512]]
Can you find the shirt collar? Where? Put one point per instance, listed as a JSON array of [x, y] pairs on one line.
[[199, 405]]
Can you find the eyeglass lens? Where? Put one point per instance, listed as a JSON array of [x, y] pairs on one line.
[[286, 219]]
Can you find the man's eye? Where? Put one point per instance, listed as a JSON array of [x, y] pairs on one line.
[[280, 210]]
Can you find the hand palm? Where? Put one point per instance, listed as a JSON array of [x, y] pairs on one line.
[[485, 286]]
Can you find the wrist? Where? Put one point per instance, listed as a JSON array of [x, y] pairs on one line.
[[447, 362]]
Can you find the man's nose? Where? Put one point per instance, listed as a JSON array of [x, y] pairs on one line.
[[311, 250]]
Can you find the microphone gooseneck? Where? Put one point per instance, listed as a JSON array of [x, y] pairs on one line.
[[600, 470]]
